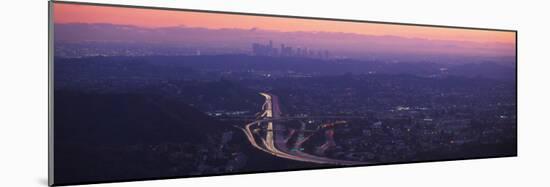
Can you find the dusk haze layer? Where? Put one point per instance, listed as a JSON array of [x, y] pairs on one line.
[[449, 40]]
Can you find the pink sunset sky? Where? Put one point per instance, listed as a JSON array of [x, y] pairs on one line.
[[470, 41]]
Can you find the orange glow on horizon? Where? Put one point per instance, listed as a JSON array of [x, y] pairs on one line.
[[153, 18]]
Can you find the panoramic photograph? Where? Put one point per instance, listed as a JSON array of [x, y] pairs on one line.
[[144, 93]]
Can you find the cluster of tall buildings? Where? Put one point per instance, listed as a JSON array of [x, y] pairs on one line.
[[287, 51]]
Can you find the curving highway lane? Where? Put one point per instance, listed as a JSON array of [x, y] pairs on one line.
[[275, 142]]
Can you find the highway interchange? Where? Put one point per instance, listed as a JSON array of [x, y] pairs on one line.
[[274, 142]]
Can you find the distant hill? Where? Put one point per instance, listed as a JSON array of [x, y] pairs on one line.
[[189, 67], [116, 136]]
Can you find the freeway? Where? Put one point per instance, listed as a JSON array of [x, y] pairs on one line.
[[275, 142]]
